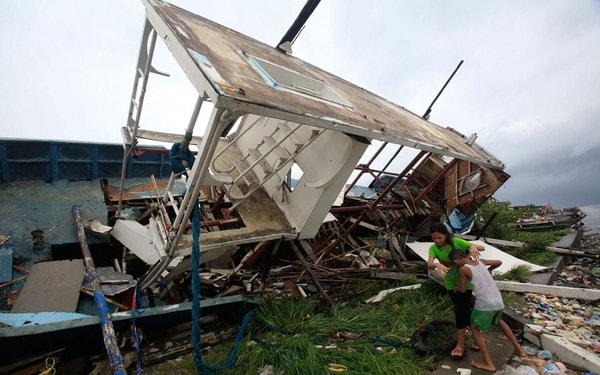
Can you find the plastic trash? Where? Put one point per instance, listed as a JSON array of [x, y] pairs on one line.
[[525, 370], [561, 366], [544, 354], [550, 369]]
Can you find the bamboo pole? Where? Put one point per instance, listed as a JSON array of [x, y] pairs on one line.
[[108, 332]]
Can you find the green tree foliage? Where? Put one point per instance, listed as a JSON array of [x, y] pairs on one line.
[[503, 227]]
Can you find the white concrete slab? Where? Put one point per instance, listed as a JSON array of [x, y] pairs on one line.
[[508, 261], [562, 348], [560, 291]]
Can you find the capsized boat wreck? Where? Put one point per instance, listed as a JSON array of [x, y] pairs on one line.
[[545, 218], [272, 114], [272, 172]]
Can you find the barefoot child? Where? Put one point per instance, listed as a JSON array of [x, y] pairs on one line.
[[488, 303]]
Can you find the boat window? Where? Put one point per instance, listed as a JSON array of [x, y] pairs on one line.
[[470, 182], [278, 76]]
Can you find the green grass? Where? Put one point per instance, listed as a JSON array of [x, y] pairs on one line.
[[293, 335], [518, 273]]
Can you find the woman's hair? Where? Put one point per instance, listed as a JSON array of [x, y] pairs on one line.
[[440, 228]]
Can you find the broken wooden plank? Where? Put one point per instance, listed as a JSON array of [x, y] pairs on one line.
[[559, 291], [307, 248], [387, 275], [11, 367], [313, 277], [13, 281], [396, 249], [576, 253], [51, 286], [109, 300], [365, 225]]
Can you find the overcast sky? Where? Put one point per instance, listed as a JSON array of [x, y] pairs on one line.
[[529, 85]]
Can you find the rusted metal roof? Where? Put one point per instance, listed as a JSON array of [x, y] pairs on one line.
[[224, 63]]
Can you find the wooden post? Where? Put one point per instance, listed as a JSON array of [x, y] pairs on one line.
[[313, 277]]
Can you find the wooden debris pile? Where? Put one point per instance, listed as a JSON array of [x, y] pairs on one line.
[[273, 269]]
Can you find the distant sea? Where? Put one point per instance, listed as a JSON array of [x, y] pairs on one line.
[[592, 220]]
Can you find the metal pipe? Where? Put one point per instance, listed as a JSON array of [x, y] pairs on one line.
[[373, 205], [108, 333], [337, 210], [428, 111], [219, 119], [133, 132], [257, 161], [146, 74], [368, 166], [298, 24], [391, 160], [190, 129], [487, 223]]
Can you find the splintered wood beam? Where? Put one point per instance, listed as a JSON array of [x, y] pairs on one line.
[[312, 276]]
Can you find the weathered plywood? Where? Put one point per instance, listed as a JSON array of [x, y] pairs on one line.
[[490, 181], [51, 286], [218, 60]]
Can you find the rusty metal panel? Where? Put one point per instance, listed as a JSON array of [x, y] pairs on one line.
[[216, 56]]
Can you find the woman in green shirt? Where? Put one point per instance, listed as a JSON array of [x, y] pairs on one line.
[[444, 243]]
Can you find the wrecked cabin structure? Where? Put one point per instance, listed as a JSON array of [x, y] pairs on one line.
[[273, 114]]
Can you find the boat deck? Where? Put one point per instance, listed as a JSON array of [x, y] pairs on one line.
[[27, 206]]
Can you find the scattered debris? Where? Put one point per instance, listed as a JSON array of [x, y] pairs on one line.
[[262, 233]]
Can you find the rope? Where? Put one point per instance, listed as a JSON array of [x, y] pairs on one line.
[[50, 369], [180, 159], [134, 335], [394, 343], [204, 368]]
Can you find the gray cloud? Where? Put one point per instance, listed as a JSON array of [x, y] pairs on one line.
[[528, 87]]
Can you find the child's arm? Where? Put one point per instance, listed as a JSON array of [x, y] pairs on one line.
[[474, 250], [465, 274], [491, 264]]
